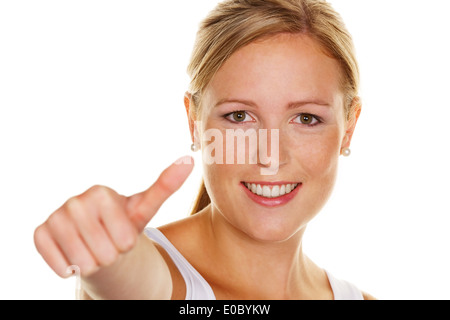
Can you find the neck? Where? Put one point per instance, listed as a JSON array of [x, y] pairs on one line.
[[258, 267]]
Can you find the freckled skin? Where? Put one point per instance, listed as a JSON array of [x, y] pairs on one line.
[[272, 74]]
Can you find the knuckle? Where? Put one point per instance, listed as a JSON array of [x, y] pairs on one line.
[[140, 210], [165, 184], [96, 188], [55, 221], [129, 241], [142, 215], [75, 208], [101, 193], [73, 204], [38, 236]]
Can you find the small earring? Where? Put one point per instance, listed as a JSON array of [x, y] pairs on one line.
[[346, 152], [194, 147]]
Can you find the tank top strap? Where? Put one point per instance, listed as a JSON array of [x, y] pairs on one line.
[[344, 290], [196, 286]]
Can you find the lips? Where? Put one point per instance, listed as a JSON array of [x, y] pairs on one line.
[[271, 194]]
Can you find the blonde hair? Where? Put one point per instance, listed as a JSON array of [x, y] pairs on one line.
[[235, 23]]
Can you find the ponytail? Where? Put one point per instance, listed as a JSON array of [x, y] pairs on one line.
[[202, 200]]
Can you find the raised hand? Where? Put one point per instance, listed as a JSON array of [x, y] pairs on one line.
[[94, 229]]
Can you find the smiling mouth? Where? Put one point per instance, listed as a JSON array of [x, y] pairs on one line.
[[272, 190]]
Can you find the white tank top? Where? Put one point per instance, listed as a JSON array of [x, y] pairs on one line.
[[198, 289]]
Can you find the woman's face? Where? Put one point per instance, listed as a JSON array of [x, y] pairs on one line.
[[285, 83]]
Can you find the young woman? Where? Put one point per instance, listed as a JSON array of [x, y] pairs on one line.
[[282, 67]]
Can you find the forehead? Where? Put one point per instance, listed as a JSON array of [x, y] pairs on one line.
[[277, 69]]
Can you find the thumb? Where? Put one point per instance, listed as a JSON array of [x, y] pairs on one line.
[[143, 206]]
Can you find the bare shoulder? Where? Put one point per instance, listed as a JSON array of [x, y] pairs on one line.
[[183, 231], [188, 235], [368, 296]]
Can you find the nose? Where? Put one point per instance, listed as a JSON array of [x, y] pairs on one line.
[[273, 153]]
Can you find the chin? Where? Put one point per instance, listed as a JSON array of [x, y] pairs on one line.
[[263, 219], [271, 231]]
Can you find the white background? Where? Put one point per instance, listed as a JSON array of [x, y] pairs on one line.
[[91, 92]]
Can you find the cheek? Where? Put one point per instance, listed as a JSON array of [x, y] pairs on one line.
[[316, 153], [223, 189], [220, 176], [225, 165], [317, 158]]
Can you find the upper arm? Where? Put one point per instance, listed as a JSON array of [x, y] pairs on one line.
[[178, 282]]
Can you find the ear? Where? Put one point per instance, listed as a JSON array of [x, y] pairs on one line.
[[351, 123], [189, 112]]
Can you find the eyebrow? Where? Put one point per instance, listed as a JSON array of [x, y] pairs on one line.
[[292, 105], [246, 102], [298, 104]]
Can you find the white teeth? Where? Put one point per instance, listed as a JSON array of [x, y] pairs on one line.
[[288, 188], [282, 190], [259, 190], [275, 191], [266, 192], [271, 191]]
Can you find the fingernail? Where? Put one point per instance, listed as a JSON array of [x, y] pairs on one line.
[[185, 160]]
